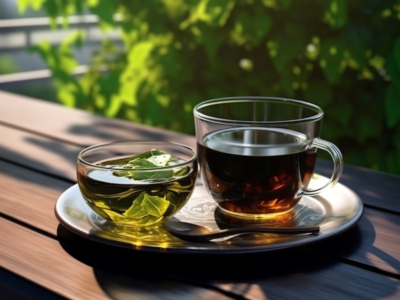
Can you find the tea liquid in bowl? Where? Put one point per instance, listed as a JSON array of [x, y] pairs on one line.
[[125, 200], [255, 170]]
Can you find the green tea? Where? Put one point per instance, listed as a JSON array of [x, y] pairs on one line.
[[137, 197]]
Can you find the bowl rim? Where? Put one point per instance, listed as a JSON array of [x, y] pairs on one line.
[[133, 142]]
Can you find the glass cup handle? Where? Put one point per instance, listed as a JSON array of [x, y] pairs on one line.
[[337, 165]]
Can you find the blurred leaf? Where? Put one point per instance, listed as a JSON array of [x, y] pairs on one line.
[[341, 112], [392, 105], [7, 64], [319, 92], [331, 56], [356, 44], [261, 24], [198, 13], [104, 9], [374, 157], [24, 4], [219, 11], [396, 139], [285, 3], [396, 52], [336, 13], [133, 75], [392, 69], [284, 49], [329, 132], [52, 11], [212, 39], [243, 25], [392, 162], [367, 127]]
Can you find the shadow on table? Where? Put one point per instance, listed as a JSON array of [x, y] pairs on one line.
[[120, 130], [65, 157], [120, 269]]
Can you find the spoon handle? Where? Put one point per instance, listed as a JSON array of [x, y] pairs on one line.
[[278, 230]]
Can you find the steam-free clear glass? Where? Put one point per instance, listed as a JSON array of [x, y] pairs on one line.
[[257, 154], [157, 195]]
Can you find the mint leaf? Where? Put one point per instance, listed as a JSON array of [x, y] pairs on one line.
[[173, 161], [159, 160], [181, 171], [150, 160], [148, 220], [147, 209], [136, 211], [143, 175], [126, 160], [178, 188], [140, 163], [121, 173], [153, 153], [154, 205], [173, 199]]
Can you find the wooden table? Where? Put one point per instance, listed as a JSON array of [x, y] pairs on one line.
[[40, 259]]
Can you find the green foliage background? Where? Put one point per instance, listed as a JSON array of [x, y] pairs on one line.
[[343, 55]]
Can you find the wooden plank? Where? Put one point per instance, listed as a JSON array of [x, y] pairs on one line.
[[250, 290], [62, 163], [29, 196], [375, 189], [288, 274], [75, 125], [383, 243], [13, 287], [39, 153], [374, 242], [45, 262], [336, 282]]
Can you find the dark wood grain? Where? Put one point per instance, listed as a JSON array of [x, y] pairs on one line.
[[42, 260], [38, 162], [376, 189], [375, 243], [14, 287], [45, 262], [289, 274], [62, 164], [53, 157], [337, 282], [29, 196], [39, 153]]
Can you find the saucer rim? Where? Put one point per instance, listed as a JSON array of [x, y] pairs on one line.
[[195, 248]]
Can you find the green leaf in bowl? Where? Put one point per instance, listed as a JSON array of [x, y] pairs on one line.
[[154, 205], [147, 208], [149, 160], [141, 163], [136, 211]]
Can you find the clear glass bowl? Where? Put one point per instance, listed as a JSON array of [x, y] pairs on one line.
[[137, 183]]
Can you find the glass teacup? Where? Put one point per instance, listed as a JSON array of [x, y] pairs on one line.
[[257, 154]]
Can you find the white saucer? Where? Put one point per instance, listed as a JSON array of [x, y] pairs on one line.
[[335, 211]]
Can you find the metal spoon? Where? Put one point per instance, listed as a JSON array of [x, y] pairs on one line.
[[196, 233]]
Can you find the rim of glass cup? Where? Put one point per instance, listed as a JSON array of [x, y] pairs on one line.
[[318, 116], [90, 148]]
